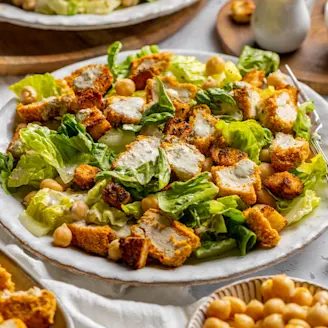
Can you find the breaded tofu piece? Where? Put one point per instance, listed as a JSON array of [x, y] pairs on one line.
[[203, 124], [16, 146], [13, 323], [144, 68], [171, 241], [84, 176], [35, 307], [185, 160], [124, 110], [178, 127], [277, 221], [139, 152], [288, 153], [278, 112], [135, 251], [242, 179], [5, 281], [115, 195], [242, 10], [255, 78], [92, 238], [284, 184], [46, 109], [247, 98], [88, 98], [267, 236], [94, 121], [226, 156], [97, 77]]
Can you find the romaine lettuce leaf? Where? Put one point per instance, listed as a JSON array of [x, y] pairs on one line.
[[302, 125], [133, 209], [95, 193], [246, 239], [6, 166], [117, 139], [215, 248]]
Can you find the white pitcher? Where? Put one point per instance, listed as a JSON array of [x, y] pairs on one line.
[[281, 25]]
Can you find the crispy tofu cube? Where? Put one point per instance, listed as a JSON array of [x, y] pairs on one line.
[[16, 146], [185, 159], [255, 78], [5, 281], [92, 238], [178, 128], [13, 323], [97, 77], [94, 121], [226, 156], [35, 307], [278, 112], [84, 176], [288, 153], [115, 195], [124, 110], [171, 242], [89, 98], [266, 235], [277, 221], [277, 80], [242, 10], [135, 251], [242, 179]]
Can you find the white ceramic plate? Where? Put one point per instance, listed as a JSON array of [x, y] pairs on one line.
[[118, 18], [294, 238]]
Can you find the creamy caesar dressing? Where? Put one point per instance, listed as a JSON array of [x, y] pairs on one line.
[[286, 141], [146, 64], [202, 127], [87, 78], [131, 107], [83, 114]]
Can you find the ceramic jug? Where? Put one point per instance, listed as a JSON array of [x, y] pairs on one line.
[[281, 25]]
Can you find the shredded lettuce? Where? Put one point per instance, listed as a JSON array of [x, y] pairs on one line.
[[302, 125], [6, 166]]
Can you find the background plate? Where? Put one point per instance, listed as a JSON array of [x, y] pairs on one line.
[[294, 238]]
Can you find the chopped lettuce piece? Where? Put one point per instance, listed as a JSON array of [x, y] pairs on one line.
[[302, 125], [252, 58], [215, 248], [6, 166], [133, 209], [117, 139]]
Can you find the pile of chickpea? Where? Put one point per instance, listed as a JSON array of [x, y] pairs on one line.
[[283, 306]]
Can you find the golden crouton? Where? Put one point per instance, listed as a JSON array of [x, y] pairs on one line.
[[277, 221], [35, 307], [178, 127], [146, 67], [88, 98], [277, 80], [124, 110], [266, 235], [288, 153], [94, 121], [226, 156], [97, 77], [115, 195], [242, 10], [5, 281], [255, 78], [171, 241], [92, 238], [16, 147], [13, 323], [284, 184], [84, 176], [182, 110], [45, 109], [135, 251], [242, 179]]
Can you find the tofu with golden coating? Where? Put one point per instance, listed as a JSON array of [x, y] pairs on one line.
[[226, 156], [13, 323], [266, 235], [277, 221], [255, 78], [84, 176], [242, 10], [178, 127], [288, 153], [242, 179], [88, 98], [97, 77], [115, 195], [16, 146], [284, 184], [171, 242], [92, 238], [6, 282]]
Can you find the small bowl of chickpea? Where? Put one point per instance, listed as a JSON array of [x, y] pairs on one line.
[[265, 302]]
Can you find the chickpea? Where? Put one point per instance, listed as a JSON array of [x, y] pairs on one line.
[[274, 320], [215, 323], [130, 3], [258, 324], [51, 184], [61, 182], [215, 65], [209, 83], [299, 322], [274, 305], [276, 79], [28, 95], [265, 155], [293, 310], [220, 309], [321, 297], [17, 2], [114, 251], [302, 296], [264, 197], [79, 210], [62, 236], [266, 170], [318, 315], [125, 87], [29, 197], [207, 166], [243, 321], [266, 289], [29, 4], [148, 202], [237, 304], [255, 309], [283, 287]]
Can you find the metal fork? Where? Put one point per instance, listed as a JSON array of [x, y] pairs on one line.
[[315, 119]]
